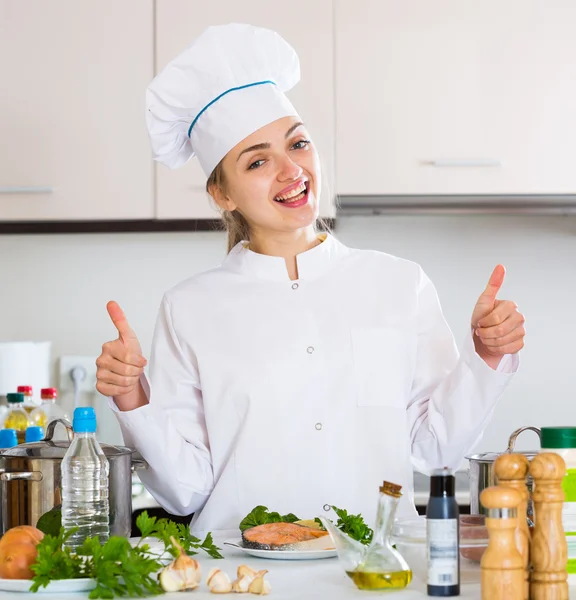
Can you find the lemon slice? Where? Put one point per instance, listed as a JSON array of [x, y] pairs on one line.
[[308, 523]]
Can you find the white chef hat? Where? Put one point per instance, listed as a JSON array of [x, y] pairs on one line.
[[227, 84]]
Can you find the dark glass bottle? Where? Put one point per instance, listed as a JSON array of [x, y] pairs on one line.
[[442, 535]]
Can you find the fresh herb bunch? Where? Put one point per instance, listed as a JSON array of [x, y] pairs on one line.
[[353, 525], [118, 568], [261, 516], [163, 529]]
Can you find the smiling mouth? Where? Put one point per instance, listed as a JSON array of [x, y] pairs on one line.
[[294, 195]]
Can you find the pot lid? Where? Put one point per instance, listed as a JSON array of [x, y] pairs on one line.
[[56, 450], [490, 457], [48, 448]]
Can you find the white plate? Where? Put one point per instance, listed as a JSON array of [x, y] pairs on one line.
[[59, 586], [282, 554]]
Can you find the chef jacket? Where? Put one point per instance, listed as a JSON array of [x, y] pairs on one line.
[[300, 395]]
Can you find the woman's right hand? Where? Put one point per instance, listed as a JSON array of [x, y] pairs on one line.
[[121, 363]]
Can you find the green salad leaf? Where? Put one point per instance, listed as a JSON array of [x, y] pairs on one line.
[[260, 516]]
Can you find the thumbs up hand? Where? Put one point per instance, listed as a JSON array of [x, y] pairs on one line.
[[498, 325], [121, 362]]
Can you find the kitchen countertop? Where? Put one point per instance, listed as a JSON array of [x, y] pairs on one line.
[[290, 580]]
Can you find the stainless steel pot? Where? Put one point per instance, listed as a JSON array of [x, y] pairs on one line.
[[481, 471], [31, 483]]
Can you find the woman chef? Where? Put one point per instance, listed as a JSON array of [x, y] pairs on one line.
[[299, 373]]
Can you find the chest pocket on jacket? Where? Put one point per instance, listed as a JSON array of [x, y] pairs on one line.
[[383, 365]]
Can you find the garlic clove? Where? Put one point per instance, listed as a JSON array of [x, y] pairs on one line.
[[218, 582], [245, 570], [242, 584], [260, 586], [170, 581]]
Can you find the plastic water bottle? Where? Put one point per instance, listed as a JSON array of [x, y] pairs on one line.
[[85, 471]]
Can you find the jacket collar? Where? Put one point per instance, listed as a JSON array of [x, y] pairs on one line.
[[312, 264]]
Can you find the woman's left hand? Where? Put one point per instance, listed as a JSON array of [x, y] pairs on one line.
[[497, 324]]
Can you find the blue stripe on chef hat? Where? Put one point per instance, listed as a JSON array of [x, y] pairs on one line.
[[235, 89], [217, 92]]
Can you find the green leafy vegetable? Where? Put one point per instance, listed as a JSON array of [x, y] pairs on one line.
[[164, 529], [261, 516], [353, 525], [117, 567], [54, 561], [50, 522], [120, 569]]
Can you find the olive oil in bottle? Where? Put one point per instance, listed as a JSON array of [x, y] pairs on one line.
[[17, 418], [383, 567], [380, 581]]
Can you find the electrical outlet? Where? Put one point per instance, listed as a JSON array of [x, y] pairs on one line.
[[67, 363]]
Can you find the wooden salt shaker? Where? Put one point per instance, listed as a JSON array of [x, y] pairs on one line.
[[511, 471], [549, 551], [502, 564]]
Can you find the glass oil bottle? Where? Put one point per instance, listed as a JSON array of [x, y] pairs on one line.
[[382, 566]]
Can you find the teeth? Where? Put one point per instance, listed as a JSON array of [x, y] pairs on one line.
[[292, 194]]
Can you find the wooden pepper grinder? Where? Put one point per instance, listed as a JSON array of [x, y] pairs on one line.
[[502, 564], [511, 471], [549, 551]]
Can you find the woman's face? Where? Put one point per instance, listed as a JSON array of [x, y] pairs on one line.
[[273, 178]]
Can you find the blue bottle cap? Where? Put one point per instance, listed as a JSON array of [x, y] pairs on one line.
[[34, 434], [84, 420], [8, 438]]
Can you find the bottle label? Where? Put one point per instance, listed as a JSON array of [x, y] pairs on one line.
[[569, 516], [442, 551]]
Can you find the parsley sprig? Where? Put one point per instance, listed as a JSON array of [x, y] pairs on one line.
[[164, 529], [118, 568], [353, 525]]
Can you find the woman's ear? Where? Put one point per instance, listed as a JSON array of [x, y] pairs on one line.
[[221, 199]]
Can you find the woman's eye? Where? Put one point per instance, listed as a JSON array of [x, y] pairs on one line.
[[301, 145], [255, 164]]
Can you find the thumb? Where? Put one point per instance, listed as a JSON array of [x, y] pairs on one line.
[[494, 285], [120, 322]]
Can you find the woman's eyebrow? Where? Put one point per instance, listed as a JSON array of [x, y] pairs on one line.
[[266, 145], [262, 146]]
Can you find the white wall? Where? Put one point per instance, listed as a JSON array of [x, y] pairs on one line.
[[66, 280]]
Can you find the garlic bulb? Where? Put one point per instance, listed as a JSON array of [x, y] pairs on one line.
[[183, 573], [218, 582], [260, 586]]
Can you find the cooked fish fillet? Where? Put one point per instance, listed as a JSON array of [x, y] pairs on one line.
[[286, 536]]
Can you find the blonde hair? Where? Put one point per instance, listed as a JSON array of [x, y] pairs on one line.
[[235, 224]]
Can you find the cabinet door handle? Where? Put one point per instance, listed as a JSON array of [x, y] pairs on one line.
[[474, 162], [26, 189]]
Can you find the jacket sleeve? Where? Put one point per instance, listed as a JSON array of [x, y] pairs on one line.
[[170, 432], [453, 395]]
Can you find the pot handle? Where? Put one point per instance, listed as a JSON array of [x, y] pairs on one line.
[[28, 476], [52, 425], [515, 434], [138, 464]]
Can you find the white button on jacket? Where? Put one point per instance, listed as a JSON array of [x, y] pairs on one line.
[[235, 391]]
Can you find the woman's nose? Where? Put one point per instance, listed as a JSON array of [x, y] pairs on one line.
[[289, 170]]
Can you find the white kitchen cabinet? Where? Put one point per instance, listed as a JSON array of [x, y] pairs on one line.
[[455, 97], [308, 27], [73, 136]]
